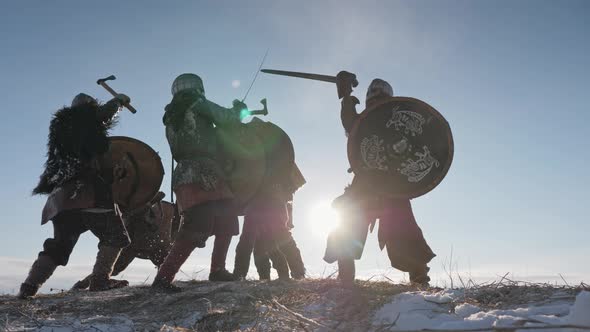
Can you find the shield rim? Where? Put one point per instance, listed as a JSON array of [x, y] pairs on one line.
[[283, 134], [241, 201], [149, 148], [451, 143]]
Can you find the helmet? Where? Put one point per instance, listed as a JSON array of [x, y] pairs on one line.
[[378, 88], [188, 82], [82, 99]]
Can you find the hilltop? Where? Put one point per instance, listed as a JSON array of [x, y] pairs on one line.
[[307, 305]]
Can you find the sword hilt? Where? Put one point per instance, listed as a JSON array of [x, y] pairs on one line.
[[345, 81]]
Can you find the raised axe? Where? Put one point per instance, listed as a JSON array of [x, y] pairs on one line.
[[247, 112], [263, 111], [344, 80], [103, 83]]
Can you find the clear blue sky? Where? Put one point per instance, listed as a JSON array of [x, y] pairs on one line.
[[511, 77]]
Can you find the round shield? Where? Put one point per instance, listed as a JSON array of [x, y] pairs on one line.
[[401, 147], [243, 160], [278, 149], [137, 172]]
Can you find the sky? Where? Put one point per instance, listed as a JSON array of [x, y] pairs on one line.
[[511, 78]]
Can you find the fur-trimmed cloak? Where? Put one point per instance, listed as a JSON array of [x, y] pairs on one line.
[[76, 136]]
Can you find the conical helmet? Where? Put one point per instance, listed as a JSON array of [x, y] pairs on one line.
[[82, 99], [188, 81], [378, 88]]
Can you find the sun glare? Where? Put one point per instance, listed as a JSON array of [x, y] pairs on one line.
[[323, 219]]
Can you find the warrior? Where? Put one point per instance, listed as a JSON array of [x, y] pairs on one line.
[[77, 179], [360, 207], [268, 216], [204, 198], [152, 229]]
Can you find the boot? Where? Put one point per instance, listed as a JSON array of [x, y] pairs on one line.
[[82, 284], [161, 285], [289, 248], [420, 277], [179, 253], [103, 268], [218, 257], [261, 259], [222, 275], [264, 275], [279, 263], [243, 252], [41, 270], [346, 272]]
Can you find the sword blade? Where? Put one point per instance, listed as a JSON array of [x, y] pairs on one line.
[[316, 77]]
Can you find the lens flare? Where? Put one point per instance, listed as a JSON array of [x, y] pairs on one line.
[[323, 219]]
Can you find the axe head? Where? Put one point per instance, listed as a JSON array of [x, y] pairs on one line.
[[264, 109], [102, 80]]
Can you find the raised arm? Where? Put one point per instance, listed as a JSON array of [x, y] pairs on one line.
[[108, 111], [221, 116], [348, 113]]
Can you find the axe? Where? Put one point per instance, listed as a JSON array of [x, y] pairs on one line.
[[102, 82], [263, 111]]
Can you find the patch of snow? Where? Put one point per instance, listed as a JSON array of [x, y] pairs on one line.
[[580, 311], [442, 297], [465, 310], [91, 324], [420, 310]]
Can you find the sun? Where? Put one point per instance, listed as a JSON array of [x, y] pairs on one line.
[[323, 219]]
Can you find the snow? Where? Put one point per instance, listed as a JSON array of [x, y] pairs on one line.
[[274, 306], [580, 312], [422, 310], [92, 324]]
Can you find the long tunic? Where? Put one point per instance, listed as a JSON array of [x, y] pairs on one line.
[[198, 177]]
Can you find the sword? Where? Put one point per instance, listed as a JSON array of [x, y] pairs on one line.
[[344, 81]]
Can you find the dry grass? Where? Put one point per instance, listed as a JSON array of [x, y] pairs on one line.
[[312, 304]]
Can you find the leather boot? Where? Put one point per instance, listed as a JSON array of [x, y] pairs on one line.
[[346, 271], [222, 275], [82, 284], [420, 277], [218, 257], [289, 248], [103, 268], [279, 263], [41, 270], [181, 250]]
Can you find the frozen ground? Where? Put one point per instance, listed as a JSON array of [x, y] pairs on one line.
[[308, 305]]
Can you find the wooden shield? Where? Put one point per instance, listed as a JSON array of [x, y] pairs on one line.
[[280, 155], [242, 157], [137, 172], [401, 147], [278, 149]]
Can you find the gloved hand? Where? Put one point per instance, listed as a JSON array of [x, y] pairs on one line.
[[238, 105], [123, 99], [241, 109]]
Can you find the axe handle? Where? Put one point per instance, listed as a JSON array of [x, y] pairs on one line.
[[259, 112], [114, 93]]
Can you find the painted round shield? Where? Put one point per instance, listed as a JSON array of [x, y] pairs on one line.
[[401, 147], [137, 172], [243, 160]]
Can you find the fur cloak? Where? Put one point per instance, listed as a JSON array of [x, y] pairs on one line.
[[76, 137]]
